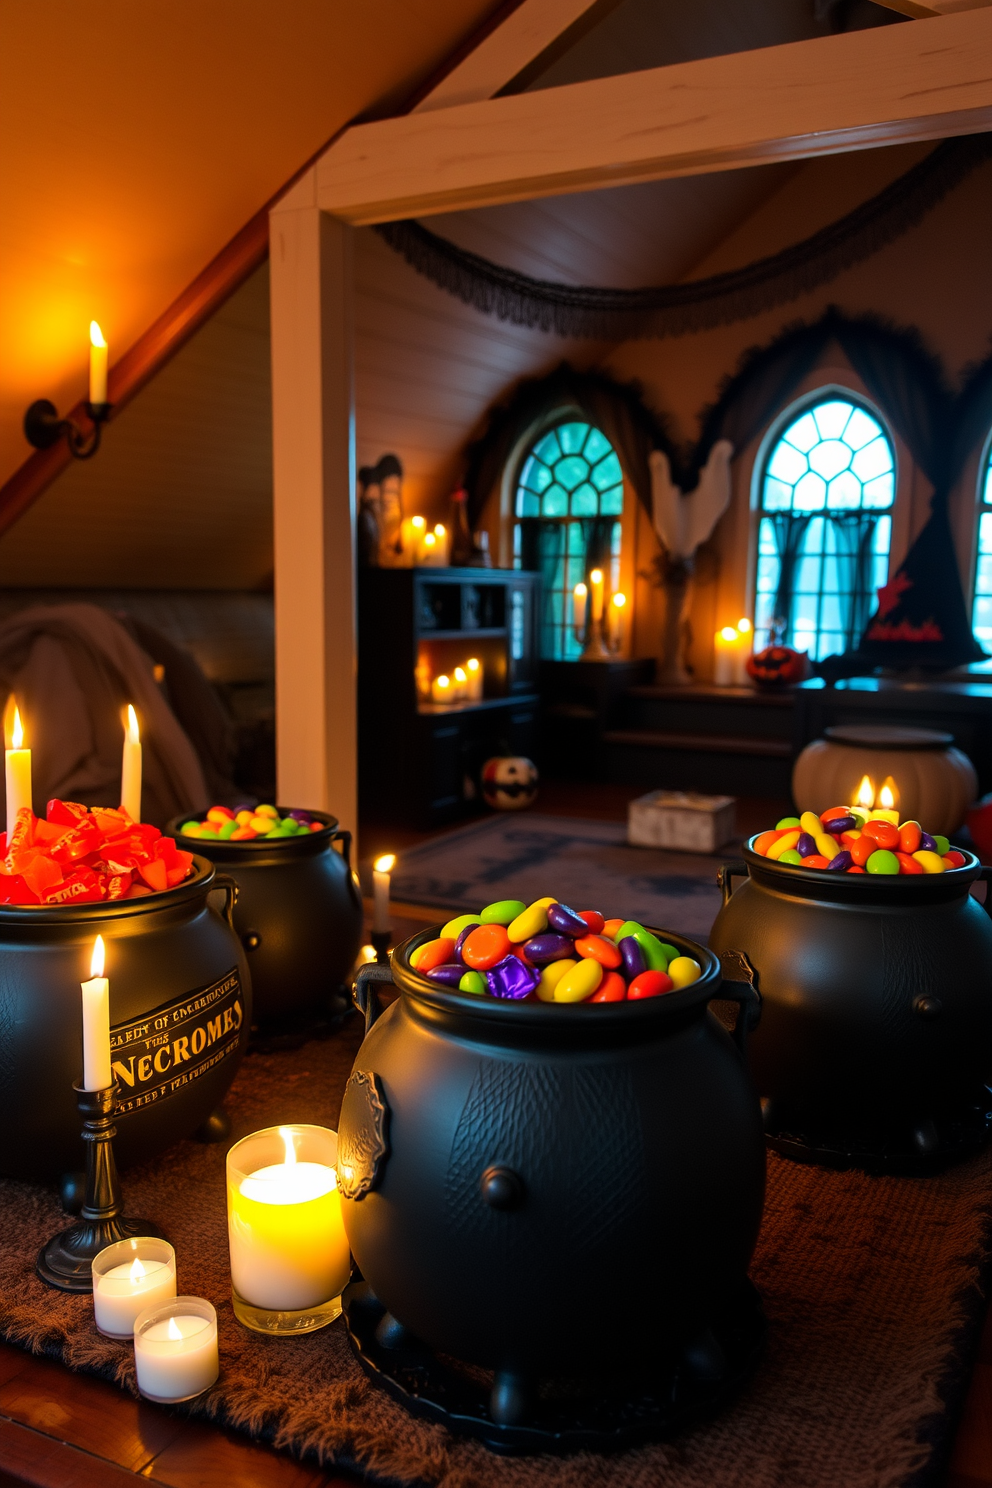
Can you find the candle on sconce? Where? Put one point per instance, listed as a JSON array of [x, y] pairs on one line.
[[617, 604], [98, 364], [97, 1074], [175, 1349], [441, 688], [131, 768], [474, 673], [597, 582], [580, 595], [17, 766], [381, 869]]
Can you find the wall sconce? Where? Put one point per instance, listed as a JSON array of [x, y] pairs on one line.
[[42, 425]]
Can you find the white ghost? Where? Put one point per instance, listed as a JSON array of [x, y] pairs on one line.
[[683, 521]]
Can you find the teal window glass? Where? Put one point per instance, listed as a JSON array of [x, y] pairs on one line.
[[569, 482], [981, 613], [827, 491]]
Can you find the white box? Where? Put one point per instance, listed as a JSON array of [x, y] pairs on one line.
[[681, 820]]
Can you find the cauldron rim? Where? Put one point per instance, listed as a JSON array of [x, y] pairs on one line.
[[504, 1011], [861, 888], [112, 909], [260, 849]]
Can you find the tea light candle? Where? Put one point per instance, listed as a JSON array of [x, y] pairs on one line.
[[131, 768], [474, 674], [97, 1073], [98, 364], [17, 762], [129, 1277], [175, 1349], [381, 869]]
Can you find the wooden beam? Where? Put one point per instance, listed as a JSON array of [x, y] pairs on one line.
[[919, 10], [313, 435], [809, 98]]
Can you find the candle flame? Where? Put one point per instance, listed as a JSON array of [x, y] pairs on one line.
[[744, 626], [580, 591], [16, 730], [97, 958], [385, 864], [473, 664], [596, 576], [888, 796], [419, 522], [443, 681], [460, 674], [173, 1329], [729, 633], [430, 541], [133, 737], [866, 793], [440, 531], [287, 1138], [137, 1269], [619, 600], [96, 335]]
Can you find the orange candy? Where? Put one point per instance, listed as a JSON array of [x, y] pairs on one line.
[[910, 836], [611, 927], [764, 841], [434, 953], [815, 860], [650, 984], [612, 988], [598, 948], [486, 945], [954, 859], [908, 864], [833, 813], [862, 850], [883, 833]]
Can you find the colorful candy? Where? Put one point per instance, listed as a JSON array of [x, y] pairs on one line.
[[224, 824], [847, 839], [78, 855]]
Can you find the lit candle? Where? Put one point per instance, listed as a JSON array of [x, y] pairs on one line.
[[428, 550], [441, 688], [17, 772], [596, 580], [381, 869], [864, 796], [96, 1024], [98, 365], [441, 536], [727, 648], [131, 768], [289, 1252], [888, 802], [743, 651], [459, 683], [175, 1349], [473, 671], [579, 596], [128, 1277], [616, 620], [418, 526]]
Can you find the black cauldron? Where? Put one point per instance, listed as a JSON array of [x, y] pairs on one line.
[[544, 1190], [299, 916], [180, 1010], [876, 1035]]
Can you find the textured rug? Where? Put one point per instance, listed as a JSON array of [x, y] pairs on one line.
[[873, 1289], [588, 864]]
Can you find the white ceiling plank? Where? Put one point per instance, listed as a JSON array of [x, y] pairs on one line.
[[808, 98]]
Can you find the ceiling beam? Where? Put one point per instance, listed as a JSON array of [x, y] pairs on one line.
[[837, 93], [920, 9]]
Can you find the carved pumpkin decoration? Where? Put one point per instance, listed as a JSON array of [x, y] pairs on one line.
[[509, 782], [778, 666], [935, 782]]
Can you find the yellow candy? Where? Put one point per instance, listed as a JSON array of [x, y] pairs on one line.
[[545, 903], [215, 814], [454, 928], [810, 822], [782, 844], [269, 811], [684, 971], [261, 823], [580, 982], [551, 976], [533, 920], [930, 862], [826, 845]]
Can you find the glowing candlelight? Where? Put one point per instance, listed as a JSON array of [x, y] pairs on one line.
[[474, 673], [98, 364], [381, 869], [579, 596], [175, 1349], [888, 803], [96, 1023], [864, 797], [459, 685], [129, 1276], [17, 761], [726, 644], [441, 688], [617, 604], [596, 580], [131, 768]]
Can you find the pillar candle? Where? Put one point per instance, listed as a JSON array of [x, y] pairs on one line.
[[579, 596], [17, 772], [596, 580], [617, 604], [744, 644], [726, 644], [441, 688], [441, 538], [98, 364], [381, 869], [96, 1024], [474, 673], [131, 768]]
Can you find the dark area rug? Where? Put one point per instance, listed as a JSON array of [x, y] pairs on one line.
[[587, 864], [873, 1289]]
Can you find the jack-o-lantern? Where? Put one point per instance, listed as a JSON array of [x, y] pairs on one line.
[[509, 783], [935, 784], [778, 666]]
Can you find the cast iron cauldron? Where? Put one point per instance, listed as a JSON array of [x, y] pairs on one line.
[[876, 1035], [299, 915], [180, 1009], [542, 1190]]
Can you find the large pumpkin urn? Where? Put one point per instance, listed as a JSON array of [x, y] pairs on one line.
[[546, 1190], [935, 783]]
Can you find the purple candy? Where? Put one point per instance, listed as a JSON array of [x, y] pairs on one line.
[[840, 862], [548, 947], [633, 957], [806, 846], [301, 816], [927, 843], [560, 917], [511, 978], [838, 825], [449, 975], [456, 954]]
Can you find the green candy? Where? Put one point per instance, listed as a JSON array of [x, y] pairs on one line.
[[629, 927], [190, 828], [474, 982], [859, 819], [882, 861], [503, 912], [227, 830], [943, 845], [791, 856], [654, 951], [454, 928], [670, 952], [787, 821]]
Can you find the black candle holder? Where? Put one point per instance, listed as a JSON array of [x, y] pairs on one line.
[[380, 940], [65, 1261], [43, 428]]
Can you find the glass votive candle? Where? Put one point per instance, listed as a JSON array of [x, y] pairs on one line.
[[175, 1349], [128, 1277], [290, 1260]]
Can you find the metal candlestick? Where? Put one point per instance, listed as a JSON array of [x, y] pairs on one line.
[[43, 428], [66, 1260], [380, 944]]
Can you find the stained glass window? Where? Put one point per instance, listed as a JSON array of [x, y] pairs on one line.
[[981, 614], [569, 501], [827, 490]]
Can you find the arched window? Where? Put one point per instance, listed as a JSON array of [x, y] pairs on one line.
[[826, 493], [981, 614], [569, 501]]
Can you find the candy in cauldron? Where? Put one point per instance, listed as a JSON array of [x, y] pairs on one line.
[[180, 1009], [299, 916], [503, 1163]]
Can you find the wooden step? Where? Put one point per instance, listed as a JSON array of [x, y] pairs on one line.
[[701, 743]]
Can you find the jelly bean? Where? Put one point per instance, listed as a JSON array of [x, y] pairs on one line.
[[261, 824], [593, 919], [838, 824], [941, 844], [763, 842], [910, 834], [650, 984], [220, 815], [463, 935], [612, 988], [634, 961], [300, 816], [883, 833], [656, 955], [684, 971], [791, 858], [228, 830], [860, 817], [543, 949], [449, 974], [629, 927], [503, 912], [785, 842], [840, 862], [862, 850], [454, 928], [546, 902], [611, 927], [908, 864], [600, 949], [432, 953], [883, 861], [927, 843], [854, 835], [269, 811], [474, 982], [806, 845], [834, 813], [816, 861], [954, 859], [787, 821], [191, 829], [552, 975], [484, 945], [930, 862], [855, 869], [533, 920], [244, 834], [560, 917], [580, 982], [510, 978], [827, 846], [243, 817], [810, 822]]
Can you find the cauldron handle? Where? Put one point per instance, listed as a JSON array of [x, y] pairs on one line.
[[365, 996], [740, 985], [228, 887], [344, 837], [726, 874]]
